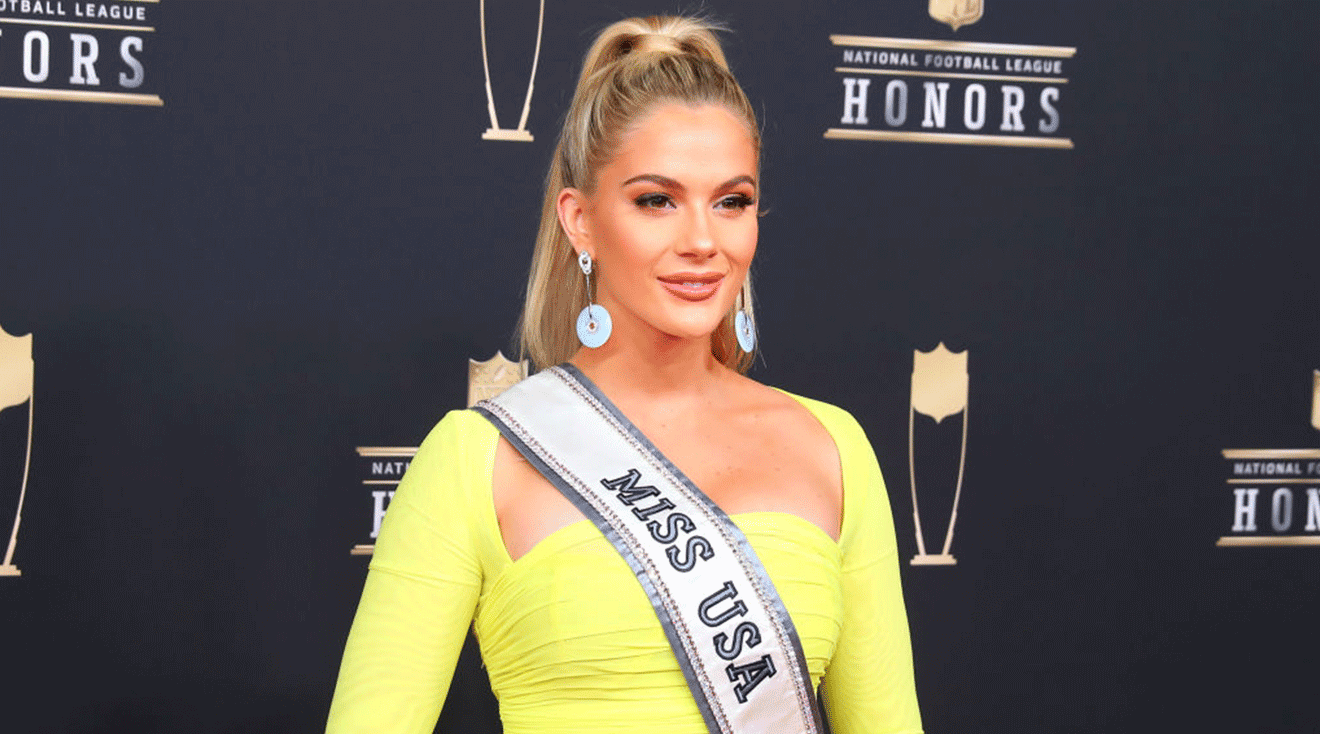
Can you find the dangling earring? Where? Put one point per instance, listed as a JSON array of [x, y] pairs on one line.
[[743, 326], [593, 323]]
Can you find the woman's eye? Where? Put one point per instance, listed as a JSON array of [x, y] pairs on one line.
[[736, 202], [653, 201]]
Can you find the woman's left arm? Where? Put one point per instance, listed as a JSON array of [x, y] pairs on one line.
[[869, 685]]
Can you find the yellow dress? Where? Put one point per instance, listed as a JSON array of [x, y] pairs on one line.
[[568, 637]]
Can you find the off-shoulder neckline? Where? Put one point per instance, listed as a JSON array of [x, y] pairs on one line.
[[815, 407]]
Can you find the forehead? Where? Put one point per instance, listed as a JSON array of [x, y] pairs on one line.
[[679, 141]]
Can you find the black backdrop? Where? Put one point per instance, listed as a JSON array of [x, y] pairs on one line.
[[296, 255]]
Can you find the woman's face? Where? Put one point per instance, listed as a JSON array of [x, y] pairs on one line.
[[672, 221]]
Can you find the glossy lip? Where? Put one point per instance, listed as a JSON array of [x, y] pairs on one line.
[[692, 286]]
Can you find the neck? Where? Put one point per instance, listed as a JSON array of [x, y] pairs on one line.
[[647, 369]]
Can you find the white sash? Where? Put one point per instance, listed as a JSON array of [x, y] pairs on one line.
[[730, 632]]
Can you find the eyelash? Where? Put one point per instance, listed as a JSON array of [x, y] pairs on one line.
[[652, 201], [737, 202]]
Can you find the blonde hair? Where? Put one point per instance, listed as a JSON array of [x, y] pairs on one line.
[[633, 66]]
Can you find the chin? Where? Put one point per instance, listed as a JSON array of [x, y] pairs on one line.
[[693, 330], [688, 321]]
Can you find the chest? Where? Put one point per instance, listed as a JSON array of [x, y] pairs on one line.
[[742, 471], [764, 470]]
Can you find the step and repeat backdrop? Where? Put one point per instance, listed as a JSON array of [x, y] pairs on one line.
[[1056, 257]]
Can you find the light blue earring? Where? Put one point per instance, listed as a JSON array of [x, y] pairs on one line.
[[593, 323], [743, 326]]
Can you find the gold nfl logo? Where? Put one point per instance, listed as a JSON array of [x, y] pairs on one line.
[[957, 13]]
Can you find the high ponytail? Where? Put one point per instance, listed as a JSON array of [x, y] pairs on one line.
[[632, 66], [672, 35]]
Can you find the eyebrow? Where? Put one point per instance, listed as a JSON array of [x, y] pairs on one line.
[[670, 183]]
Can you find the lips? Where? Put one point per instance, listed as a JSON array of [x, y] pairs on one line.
[[692, 286]]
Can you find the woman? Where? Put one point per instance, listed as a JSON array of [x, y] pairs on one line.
[[647, 233]]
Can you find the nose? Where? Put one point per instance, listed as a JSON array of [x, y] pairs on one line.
[[699, 240]]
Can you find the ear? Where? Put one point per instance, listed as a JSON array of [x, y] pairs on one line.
[[572, 206]]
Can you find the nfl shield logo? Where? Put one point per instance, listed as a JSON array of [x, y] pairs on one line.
[[939, 382], [956, 13], [492, 377]]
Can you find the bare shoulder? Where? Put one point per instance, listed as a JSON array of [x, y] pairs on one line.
[[788, 427], [786, 413]]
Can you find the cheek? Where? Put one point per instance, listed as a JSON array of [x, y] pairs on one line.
[[627, 261], [635, 246], [745, 246]]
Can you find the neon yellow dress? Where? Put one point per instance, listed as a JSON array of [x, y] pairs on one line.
[[568, 637]]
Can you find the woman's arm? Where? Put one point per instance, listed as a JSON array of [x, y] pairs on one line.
[[419, 596], [869, 687]]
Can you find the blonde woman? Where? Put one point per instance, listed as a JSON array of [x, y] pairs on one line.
[[644, 539]]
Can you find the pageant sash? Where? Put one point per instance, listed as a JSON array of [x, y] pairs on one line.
[[729, 630]]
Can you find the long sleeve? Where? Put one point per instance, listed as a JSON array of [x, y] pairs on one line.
[[869, 686], [420, 593]]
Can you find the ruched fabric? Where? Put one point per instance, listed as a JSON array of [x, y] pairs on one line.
[[568, 637]]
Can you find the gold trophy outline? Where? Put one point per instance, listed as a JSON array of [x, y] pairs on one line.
[[16, 388], [939, 390], [495, 132]]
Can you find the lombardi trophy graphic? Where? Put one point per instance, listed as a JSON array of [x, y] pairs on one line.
[[495, 132], [939, 390], [16, 372]]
